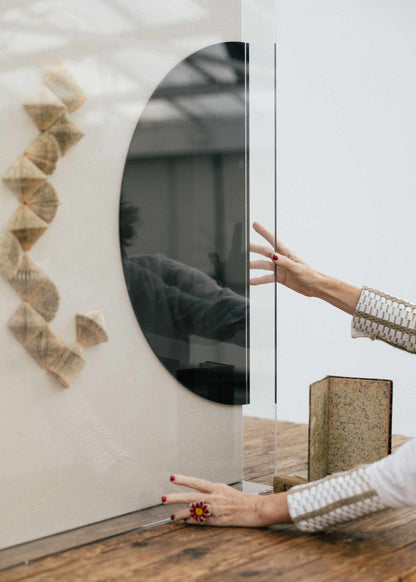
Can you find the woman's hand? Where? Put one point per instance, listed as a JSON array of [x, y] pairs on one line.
[[226, 506], [297, 275], [291, 271]]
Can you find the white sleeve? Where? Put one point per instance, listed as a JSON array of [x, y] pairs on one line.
[[334, 499], [384, 317], [394, 477], [341, 497], [390, 482]]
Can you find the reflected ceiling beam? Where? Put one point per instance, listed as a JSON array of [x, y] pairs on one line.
[[194, 90], [238, 66], [191, 62], [181, 138], [219, 62], [188, 115]]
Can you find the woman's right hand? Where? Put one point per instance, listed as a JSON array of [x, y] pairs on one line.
[[291, 271], [297, 275]]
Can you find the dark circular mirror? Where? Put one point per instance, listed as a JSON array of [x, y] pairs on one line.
[[184, 222]]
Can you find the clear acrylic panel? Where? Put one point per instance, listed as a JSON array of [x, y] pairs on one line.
[[167, 121], [259, 415]]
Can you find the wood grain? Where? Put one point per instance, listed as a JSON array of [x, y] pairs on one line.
[[381, 547]]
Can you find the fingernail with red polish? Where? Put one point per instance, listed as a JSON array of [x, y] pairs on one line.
[[172, 517], [172, 478], [163, 499], [275, 257]]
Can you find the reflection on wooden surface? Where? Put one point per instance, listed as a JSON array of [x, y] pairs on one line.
[[378, 548]]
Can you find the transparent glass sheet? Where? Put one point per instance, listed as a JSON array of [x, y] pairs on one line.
[[259, 423], [275, 287]]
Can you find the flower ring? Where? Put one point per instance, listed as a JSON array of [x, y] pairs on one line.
[[199, 511]]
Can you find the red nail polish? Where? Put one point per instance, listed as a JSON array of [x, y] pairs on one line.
[[163, 499], [172, 478], [275, 257], [172, 517]]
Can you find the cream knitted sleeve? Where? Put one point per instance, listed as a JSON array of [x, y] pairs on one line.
[[390, 482], [383, 317], [333, 499]]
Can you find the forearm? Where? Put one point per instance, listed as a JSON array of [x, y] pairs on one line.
[[342, 295], [273, 509]]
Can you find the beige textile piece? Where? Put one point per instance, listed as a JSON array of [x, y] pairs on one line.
[[44, 202], [24, 177], [26, 323], [66, 133], [27, 227], [44, 152], [91, 329], [34, 287], [45, 299], [44, 107], [68, 364], [28, 277], [62, 83], [11, 254], [44, 347], [48, 106]]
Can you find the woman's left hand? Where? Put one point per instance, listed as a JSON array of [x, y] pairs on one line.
[[221, 504]]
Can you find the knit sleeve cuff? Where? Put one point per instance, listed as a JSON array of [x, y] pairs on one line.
[[335, 499], [384, 317]]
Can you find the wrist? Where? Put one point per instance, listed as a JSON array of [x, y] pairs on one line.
[[272, 509], [336, 292], [320, 285]]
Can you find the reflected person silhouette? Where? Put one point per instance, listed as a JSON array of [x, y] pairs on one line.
[[174, 302]]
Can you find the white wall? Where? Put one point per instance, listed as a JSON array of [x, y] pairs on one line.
[[347, 184]]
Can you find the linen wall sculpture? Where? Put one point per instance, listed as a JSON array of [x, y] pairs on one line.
[[49, 107]]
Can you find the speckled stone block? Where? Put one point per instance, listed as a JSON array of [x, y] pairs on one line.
[[349, 423]]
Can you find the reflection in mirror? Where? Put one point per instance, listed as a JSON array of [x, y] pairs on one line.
[[184, 222]]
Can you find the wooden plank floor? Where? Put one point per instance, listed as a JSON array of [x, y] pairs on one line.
[[380, 548]]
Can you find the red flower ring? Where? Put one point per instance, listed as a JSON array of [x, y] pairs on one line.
[[199, 511]]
